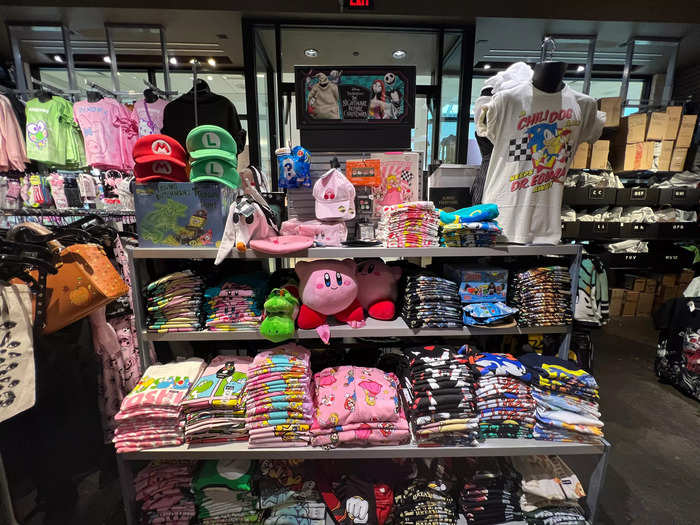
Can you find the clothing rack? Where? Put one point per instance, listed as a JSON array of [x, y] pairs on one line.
[[158, 91], [53, 89], [66, 212], [195, 64], [547, 49]]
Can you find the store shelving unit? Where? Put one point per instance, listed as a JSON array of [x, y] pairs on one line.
[[397, 329]]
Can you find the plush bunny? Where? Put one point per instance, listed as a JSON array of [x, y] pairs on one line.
[[328, 287], [378, 290]]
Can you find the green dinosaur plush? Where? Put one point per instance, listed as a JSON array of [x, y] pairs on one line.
[[281, 309]]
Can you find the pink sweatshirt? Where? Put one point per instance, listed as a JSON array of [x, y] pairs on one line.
[[13, 152]]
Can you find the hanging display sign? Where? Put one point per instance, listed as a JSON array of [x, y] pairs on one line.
[[374, 104]]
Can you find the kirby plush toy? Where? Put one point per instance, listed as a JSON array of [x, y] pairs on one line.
[[378, 291], [328, 287]]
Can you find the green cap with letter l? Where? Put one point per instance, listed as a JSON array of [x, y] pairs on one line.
[[213, 142], [215, 170]]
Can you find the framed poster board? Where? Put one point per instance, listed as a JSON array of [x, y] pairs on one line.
[[372, 108]]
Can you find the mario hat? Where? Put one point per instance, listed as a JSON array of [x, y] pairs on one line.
[[159, 157], [214, 156]]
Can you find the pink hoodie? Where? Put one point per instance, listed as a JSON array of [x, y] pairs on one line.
[[13, 152]]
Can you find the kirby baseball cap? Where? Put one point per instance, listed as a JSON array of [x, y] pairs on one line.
[[335, 196], [159, 157]]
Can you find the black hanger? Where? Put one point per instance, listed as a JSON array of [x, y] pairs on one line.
[[202, 87], [150, 96], [94, 96], [44, 95]]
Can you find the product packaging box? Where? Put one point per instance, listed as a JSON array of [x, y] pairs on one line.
[[678, 159], [664, 158], [686, 276], [633, 128], [638, 156], [599, 155], [617, 299], [581, 157], [669, 279], [640, 284], [645, 304], [657, 125], [650, 286], [629, 308], [686, 131], [181, 213], [673, 121], [612, 106], [479, 284]]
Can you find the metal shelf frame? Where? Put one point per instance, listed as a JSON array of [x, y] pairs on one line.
[[138, 258]]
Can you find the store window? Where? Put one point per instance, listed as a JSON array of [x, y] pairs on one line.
[[129, 80], [230, 85]]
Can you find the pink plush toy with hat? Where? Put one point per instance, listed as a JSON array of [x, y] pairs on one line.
[[328, 287], [378, 288]]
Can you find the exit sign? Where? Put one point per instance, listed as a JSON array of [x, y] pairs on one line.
[[359, 5]]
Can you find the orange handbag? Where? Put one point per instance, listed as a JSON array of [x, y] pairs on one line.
[[85, 281]]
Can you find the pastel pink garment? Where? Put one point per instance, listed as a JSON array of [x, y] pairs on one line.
[[211, 390], [148, 117], [103, 123], [352, 394], [13, 150], [381, 433]]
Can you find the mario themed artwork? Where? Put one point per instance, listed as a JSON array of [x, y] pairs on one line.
[[546, 142]]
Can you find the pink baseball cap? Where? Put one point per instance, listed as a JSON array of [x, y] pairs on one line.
[[335, 196]]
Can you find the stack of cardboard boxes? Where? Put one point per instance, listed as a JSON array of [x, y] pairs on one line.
[[657, 140], [643, 295], [595, 157]]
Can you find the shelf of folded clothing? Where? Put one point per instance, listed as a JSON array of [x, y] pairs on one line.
[[373, 328], [372, 251], [487, 448]]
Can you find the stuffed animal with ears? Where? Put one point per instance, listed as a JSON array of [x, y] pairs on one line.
[[246, 220], [378, 288], [328, 287], [281, 309]]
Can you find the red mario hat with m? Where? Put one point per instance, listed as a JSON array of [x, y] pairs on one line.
[[159, 157]]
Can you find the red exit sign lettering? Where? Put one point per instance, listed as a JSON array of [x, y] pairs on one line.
[[359, 4]]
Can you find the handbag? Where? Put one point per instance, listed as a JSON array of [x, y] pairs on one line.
[[85, 281]]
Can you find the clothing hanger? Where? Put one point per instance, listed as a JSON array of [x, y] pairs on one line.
[[548, 75], [94, 96], [159, 92], [150, 96]]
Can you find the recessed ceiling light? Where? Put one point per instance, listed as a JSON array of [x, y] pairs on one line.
[[107, 59], [211, 62], [580, 69], [173, 61], [58, 59], [487, 66], [356, 53], [311, 52], [399, 54]]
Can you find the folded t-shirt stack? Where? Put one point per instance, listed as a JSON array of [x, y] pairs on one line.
[[424, 502], [288, 494], [432, 302], [550, 491], [215, 406], [357, 406], [150, 415], [222, 492], [231, 306], [163, 491], [543, 296], [504, 399], [279, 404], [439, 393], [491, 491], [567, 400], [173, 302], [409, 225]]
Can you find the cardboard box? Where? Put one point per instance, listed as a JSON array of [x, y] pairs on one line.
[[182, 213], [633, 128], [663, 162], [686, 276], [639, 285], [678, 159], [669, 279], [629, 307], [581, 157], [599, 155], [617, 297], [686, 131], [645, 304], [479, 284], [668, 293], [657, 126], [673, 122], [639, 156], [650, 286], [612, 106]]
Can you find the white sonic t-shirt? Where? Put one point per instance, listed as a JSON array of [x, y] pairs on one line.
[[535, 135]]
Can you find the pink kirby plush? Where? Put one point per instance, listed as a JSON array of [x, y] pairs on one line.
[[328, 287], [378, 291]]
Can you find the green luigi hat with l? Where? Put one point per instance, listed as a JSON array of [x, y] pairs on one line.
[[214, 156]]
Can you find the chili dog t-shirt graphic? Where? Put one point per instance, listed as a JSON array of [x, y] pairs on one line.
[[535, 135]]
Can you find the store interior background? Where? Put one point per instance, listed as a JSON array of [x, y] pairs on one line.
[[651, 480]]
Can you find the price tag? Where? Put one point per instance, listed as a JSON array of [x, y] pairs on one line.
[[679, 194], [600, 227], [638, 194], [596, 194]]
